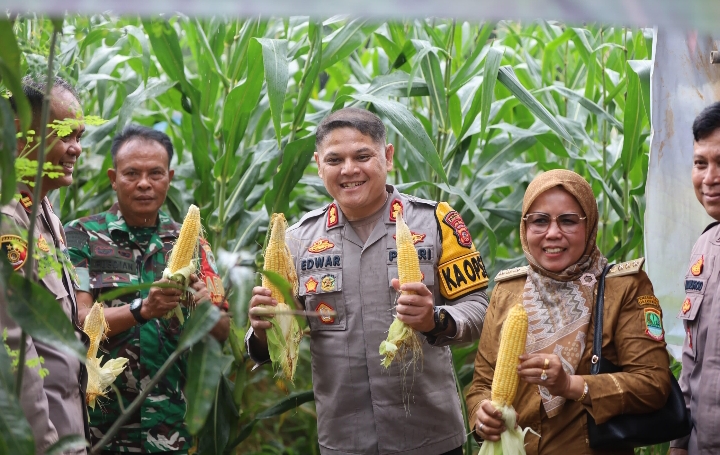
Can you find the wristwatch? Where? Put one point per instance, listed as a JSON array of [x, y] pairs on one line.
[[135, 307], [442, 320]]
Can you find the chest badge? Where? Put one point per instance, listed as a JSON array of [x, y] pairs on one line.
[[43, 245], [327, 283], [697, 267], [320, 245], [15, 248], [395, 207], [687, 304], [416, 237], [311, 285], [325, 311], [332, 216]]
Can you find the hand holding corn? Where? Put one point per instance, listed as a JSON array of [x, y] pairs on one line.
[[160, 300], [415, 306]]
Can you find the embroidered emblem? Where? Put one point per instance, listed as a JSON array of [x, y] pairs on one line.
[[320, 245], [395, 207], [15, 248], [103, 251], [697, 267], [321, 262], [416, 237], [459, 228], [653, 324], [462, 276], [327, 283], [687, 305], [311, 285], [325, 311], [43, 245], [693, 285], [588, 279], [26, 201], [127, 254], [648, 300], [332, 216]]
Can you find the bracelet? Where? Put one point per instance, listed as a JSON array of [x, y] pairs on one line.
[[585, 392]]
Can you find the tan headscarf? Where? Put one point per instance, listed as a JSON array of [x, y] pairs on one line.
[[559, 304]]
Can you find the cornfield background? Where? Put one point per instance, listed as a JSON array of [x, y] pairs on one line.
[[475, 111]]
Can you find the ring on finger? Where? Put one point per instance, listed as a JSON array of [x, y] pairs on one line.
[[543, 375], [547, 363], [480, 428]]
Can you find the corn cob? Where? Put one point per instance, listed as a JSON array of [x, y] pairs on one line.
[[99, 378], [401, 337], [183, 255], [505, 383], [285, 335]]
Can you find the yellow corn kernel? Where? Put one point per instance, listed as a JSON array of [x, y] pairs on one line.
[[512, 345], [278, 258], [185, 249], [407, 257], [94, 327]]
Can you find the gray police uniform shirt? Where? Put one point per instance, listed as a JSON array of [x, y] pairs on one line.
[[363, 408], [700, 377], [60, 396]]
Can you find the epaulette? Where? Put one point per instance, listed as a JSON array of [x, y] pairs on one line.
[[418, 200], [311, 214], [626, 268], [508, 274]]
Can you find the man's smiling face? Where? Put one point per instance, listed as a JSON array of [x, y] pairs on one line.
[[354, 169]]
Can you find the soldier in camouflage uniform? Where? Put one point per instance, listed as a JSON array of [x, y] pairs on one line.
[[128, 245]]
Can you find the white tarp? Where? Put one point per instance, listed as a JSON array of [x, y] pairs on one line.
[[684, 14], [683, 83]]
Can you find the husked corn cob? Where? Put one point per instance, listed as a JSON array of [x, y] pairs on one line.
[[285, 335], [512, 345], [505, 384], [99, 378], [182, 257], [401, 337]]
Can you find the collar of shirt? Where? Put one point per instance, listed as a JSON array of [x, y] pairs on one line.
[[166, 227]]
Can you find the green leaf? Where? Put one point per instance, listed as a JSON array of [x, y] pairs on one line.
[[10, 70], [588, 104], [455, 114], [223, 417], [430, 65], [8, 149], [344, 42], [471, 67], [205, 366], [310, 75], [275, 62], [507, 77], [132, 289], [632, 120], [140, 95], [67, 443], [37, 311], [296, 157], [292, 401], [281, 283], [15, 433], [642, 68], [396, 84], [411, 129], [201, 321], [492, 66]]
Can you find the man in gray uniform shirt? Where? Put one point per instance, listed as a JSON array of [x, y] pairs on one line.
[[346, 261], [700, 311]]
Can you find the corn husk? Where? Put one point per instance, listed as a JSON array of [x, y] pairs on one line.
[[99, 377], [401, 339], [284, 342]]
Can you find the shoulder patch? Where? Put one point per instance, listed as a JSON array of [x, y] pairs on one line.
[[509, 274], [626, 268], [15, 247], [462, 276], [309, 215], [76, 238], [452, 228], [648, 301], [653, 324]]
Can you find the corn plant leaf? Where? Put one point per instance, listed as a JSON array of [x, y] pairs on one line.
[[223, 416], [430, 66], [632, 120], [492, 65], [67, 443], [201, 321], [309, 77], [151, 91], [35, 309], [642, 68], [295, 158], [506, 76], [206, 363], [8, 149], [282, 284], [15, 433], [343, 43], [472, 66], [396, 84], [588, 104], [275, 63], [10, 70], [411, 129]]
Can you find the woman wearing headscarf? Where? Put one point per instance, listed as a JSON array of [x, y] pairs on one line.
[[558, 289]]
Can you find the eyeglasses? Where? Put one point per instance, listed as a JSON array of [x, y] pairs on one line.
[[539, 223]]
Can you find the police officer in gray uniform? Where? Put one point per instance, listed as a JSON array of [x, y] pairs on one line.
[[700, 311], [346, 261], [54, 405]]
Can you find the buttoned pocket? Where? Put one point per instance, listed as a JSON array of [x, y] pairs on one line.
[[322, 293], [689, 311]]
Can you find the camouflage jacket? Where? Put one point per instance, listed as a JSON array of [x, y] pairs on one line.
[[107, 255]]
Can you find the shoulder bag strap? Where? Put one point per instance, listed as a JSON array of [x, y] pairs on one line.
[[598, 335]]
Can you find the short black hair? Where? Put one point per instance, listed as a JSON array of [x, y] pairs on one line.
[[362, 120], [34, 88], [707, 122], [140, 132]]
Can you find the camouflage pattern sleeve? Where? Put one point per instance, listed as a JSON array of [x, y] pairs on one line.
[[210, 276], [79, 251]]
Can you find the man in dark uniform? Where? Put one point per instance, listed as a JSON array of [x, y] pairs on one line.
[[346, 261], [55, 405]]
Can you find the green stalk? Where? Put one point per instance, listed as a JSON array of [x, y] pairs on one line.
[[30, 262], [443, 137], [626, 183], [606, 201]]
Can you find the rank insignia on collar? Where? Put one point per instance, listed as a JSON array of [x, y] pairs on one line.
[[332, 216], [417, 238], [687, 304], [395, 207], [15, 248], [26, 201], [43, 245], [320, 245], [697, 267], [327, 283], [323, 308], [311, 285]]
